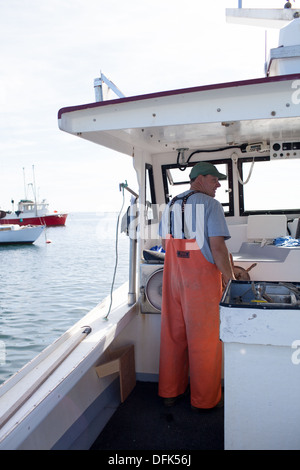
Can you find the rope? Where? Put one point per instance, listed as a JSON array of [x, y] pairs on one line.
[[116, 261], [234, 158]]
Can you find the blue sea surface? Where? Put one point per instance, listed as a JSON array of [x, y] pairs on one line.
[[46, 287]]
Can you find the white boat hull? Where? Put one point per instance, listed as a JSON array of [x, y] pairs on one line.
[[72, 405], [13, 234]]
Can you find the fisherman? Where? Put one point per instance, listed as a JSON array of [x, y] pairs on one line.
[[193, 230]]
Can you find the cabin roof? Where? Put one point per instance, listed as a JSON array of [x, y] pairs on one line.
[[224, 114]]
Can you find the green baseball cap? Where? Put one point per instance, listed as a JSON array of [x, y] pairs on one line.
[[206, 168]]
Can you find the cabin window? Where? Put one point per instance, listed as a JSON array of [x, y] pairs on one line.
[[273, 186], [150, 199], [177, 181]]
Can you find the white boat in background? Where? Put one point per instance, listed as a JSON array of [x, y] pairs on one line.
[[250, 130], [13, 234]]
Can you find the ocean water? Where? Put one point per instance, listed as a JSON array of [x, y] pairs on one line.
[[46, 287]]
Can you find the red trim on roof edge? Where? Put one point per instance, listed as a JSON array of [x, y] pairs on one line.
[[161, 94]]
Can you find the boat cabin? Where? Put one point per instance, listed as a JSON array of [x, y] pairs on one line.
[[26, 205], [250, 131]]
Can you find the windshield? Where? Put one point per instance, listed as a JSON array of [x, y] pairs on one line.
[[176, 181], [273, 186]]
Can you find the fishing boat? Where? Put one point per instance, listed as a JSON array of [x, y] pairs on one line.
[[96, 386], [15, 234], [30, 212]]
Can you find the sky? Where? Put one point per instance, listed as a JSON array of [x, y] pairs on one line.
[[51, 52]]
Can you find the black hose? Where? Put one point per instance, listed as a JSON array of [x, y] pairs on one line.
[[221, 149]]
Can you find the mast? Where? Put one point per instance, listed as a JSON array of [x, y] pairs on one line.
[[25, 191], [34, 190], [98, 85]]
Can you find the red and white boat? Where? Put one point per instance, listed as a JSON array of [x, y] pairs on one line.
[[33, 213]]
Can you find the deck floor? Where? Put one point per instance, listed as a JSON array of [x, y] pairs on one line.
[[142, 422]]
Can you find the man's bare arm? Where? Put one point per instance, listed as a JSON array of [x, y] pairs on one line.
[[221, 257]]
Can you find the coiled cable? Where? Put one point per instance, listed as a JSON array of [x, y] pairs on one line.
[[116, 258]]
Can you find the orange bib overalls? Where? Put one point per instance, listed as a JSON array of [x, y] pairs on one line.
[[190, 344]]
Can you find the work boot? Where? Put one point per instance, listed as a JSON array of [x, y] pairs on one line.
[[170, 401], [218, 405]]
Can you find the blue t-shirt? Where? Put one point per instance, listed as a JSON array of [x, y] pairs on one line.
[[203, 218]]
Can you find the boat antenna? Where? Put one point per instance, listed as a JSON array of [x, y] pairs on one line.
[[34, 189], [266, 40], [25, 192]]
